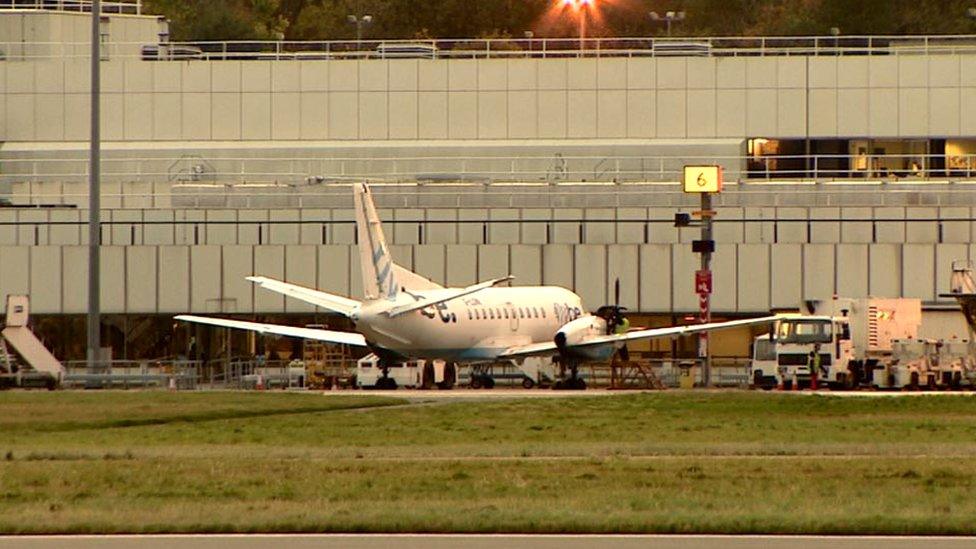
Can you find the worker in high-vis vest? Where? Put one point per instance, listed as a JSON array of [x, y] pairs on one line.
[[814, 365], [622, 326]]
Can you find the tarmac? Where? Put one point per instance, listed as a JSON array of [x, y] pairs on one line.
[[499, 541]]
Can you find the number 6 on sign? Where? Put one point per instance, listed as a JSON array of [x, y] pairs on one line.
[[703, 179]]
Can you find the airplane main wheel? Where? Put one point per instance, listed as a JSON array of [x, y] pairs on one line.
[[450, 377], [428, 377]]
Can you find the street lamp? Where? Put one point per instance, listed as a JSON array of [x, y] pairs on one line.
[[668, 18], [360, 22], [580, 7]]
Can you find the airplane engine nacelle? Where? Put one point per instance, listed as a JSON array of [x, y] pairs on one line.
[[579, 331]]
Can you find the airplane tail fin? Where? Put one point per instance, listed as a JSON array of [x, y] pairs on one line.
[[379, 274]]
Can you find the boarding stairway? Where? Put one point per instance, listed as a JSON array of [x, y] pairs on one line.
[[29, 350]]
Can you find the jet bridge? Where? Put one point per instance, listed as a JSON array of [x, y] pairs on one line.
[[17, 335]]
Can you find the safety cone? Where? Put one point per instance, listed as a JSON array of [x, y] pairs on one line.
[[779, 384], [260, 383], [813, 382]]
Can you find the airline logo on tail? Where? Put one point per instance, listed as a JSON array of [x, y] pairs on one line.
[[379, 278]]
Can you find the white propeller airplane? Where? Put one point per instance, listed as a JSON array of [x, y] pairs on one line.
[[406, 316]]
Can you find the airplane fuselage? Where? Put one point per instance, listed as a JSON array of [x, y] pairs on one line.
[[475, 328]]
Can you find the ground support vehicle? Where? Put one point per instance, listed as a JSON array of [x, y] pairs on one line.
[[928, 364], [529, 372], [371, 373], [840, 343]]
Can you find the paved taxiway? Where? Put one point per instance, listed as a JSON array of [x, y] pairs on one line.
[[448, 541], [503, 393]]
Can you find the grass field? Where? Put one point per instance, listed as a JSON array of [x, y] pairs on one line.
[[664, 462]]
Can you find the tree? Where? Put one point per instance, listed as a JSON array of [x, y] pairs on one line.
[[405, 19]]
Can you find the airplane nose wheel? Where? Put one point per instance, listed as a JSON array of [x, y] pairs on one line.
[[571, 383]]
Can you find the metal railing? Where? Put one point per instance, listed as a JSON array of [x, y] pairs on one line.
[[561, 230], [532, 169], [127, 374], [130, 7], [502, 48]]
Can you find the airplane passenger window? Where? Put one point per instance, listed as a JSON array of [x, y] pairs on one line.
[[543, 309], [492, 313], [469, 314]]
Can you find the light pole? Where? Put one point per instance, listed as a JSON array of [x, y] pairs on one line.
[[580, 8], [94, 198], [360, 22], [668, 18]]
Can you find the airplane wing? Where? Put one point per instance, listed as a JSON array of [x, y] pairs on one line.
[[549, 347], [345, 338], [441, 297], [332, 302]]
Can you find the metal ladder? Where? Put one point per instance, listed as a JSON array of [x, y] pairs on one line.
[[7, 361]]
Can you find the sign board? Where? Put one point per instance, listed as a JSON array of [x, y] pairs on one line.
[[703, 282], [703, 179]]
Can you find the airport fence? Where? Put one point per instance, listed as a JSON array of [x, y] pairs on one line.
[[490, 48], [132, 374]]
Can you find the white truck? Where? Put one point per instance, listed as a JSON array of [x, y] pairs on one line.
[[840, 343], [415, 374]]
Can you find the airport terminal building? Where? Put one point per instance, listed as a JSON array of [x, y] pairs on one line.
[[848, 164]]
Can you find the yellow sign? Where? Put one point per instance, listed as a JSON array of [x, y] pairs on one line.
[[703, 179]]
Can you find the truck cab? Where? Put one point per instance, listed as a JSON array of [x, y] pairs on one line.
[[801, 349]]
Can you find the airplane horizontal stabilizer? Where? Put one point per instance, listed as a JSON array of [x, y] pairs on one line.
[[332, 302], [441, 297], [549, 347], [343, 338]]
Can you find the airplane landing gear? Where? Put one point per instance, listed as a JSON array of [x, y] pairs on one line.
[[386, 383], [571, 383], [450, 377]]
